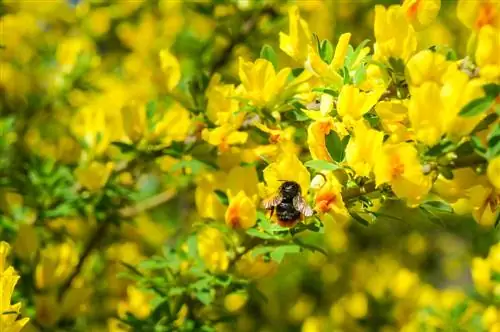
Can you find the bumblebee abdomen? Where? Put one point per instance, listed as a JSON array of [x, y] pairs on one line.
[[286, 212]]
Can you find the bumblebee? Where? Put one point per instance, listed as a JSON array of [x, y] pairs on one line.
[[289, 204]]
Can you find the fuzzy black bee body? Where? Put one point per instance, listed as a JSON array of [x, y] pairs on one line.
[[289, 204]]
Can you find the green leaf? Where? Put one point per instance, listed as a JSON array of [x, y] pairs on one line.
[[440, 206], [280, 252], [267, 52], [163, 308], [494, 142], [440, 148], [431, 216], [359, 219], [326, 51], [335, 146], [492, 90], [477, 106], [485, 123], [297, 71], [309, 246], [352, 55], [359, 75], [458, 310], [321, 165], [255, 233], [222, 196], [205, 297], [151, 109], [124, 147], [152, 264]]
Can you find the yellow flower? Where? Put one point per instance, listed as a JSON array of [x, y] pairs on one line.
[[207, 203], [27, 242], [287, 167], [321, 69], [421, 13], [494, 172], [394, 35], [56, 263], [134, 121], [174, 125], [481, 275], [357, 305], [477, 14], [212, 250], [329, 197], [487, 51], [426, 66], [354, 103], [137, 303], [363, 148], [261, 84], [341, 51], [484, 201], [221, 104], [235, 301], [69, 50], [426, 113], [458, 90], [224, 136], [170, 68], [399, 166], [94, 176], [9, 313], [393, 116], [452, 190], [295, 43], [241, 212], [254, 266], [316, 138]]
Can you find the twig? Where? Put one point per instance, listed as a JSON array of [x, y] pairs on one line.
[[147, 204], [101, 231], [93, 242]]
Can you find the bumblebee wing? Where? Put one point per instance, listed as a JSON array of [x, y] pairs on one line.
[[271, 202], [300, 204]]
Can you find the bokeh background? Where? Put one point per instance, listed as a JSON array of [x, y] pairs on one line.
[[67, 66]]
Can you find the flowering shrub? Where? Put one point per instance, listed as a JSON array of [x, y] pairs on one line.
[[141, 138]]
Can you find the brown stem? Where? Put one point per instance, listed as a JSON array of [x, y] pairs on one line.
[[350, 193], [93, 242]]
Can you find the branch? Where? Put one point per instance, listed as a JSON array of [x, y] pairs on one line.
[[147, 204], [93, 242]]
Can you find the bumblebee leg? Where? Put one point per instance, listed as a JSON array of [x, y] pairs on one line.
[[272, 212]]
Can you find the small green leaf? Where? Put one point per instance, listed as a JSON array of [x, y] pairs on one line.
[[458, 310], [280, 252], [326, 51], [359, 75], [335, 146], [492, 90], [477, 106], [321, 165], [431, 216], [309, 246], [297, 71], [124, 147], [359, 219], [440, 206], [222, 196], [267, 52], [205, 297], [255, 233]]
